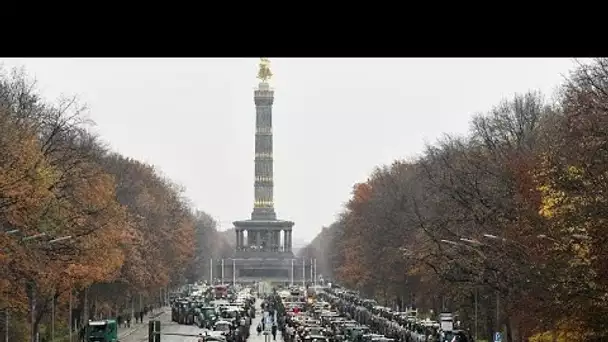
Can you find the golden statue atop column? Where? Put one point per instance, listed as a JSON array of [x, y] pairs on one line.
[[264, 73]]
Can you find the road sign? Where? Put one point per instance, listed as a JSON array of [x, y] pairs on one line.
[[498, 337]]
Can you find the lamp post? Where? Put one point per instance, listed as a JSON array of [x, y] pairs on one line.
[[31, 288], [233, 272], [211, 271], [222, 271], [476, 294], [31, 291], [454, 243], [475, 242], [315, 273], [291, 272], [497, 311], [60, 239], [304, 272], [6, 325], [70, 322], [580, 237], [53, 316], [311, 275]]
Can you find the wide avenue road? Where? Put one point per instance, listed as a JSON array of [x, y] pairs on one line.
[[168, 327]]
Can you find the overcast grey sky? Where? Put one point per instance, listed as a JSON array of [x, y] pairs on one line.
[[334, 120]]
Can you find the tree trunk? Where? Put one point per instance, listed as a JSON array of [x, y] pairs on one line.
[[509, 331], [31, 296], [39, 314], [490, 318]]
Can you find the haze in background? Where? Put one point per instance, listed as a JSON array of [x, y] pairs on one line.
[[334, 120]]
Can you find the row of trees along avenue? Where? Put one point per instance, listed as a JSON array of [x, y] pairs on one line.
[[512, 216], [76, 218]]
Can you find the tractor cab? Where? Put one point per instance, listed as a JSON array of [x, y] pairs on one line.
[[223, 326], [102, 331]]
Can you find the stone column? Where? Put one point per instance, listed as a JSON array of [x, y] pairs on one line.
[[288, 240], [285, 241], [271, 240], [238, 242], [263, 184]]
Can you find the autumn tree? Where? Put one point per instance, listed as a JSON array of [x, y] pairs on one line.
[[510, 214], [209, 244], [79, 220], [573, 183]]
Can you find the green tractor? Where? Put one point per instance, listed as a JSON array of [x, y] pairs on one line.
[[207, 317], [185, 313], [355, 333], [102, 331]]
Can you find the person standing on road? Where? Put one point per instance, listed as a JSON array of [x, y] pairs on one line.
[[289, 331], [81, 333], [274, 331]]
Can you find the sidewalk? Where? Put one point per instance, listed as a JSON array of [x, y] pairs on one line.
[[135, 327], [124, 332]]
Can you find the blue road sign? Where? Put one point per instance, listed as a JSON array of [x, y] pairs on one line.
[[498, 337]]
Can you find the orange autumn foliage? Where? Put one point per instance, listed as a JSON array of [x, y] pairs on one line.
[[506, 222], [131, 231]]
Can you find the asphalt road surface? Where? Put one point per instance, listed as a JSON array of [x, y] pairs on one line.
[[168, 327]]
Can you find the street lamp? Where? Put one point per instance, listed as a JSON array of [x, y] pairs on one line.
[[483, 256], [211, 271], [494, 237], [522, 248], [454, 243], [27, 238], [304, 272], [222, 271], [32, 307], [472, 241], [32, 237], [581, 237], [63, 238], [315, 273], [292, 260], [233, 272], [573, 236], [449, 242]]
